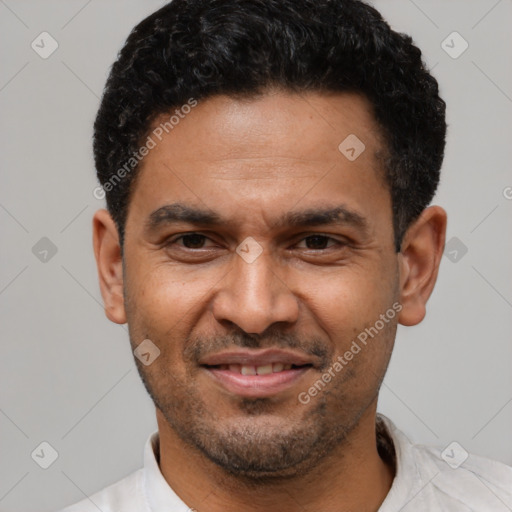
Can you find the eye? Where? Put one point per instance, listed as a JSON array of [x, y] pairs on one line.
[[196, 241], [319, 242], [190, 240]]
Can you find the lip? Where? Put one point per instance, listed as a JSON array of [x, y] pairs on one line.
[[257, 357], [256, 386]]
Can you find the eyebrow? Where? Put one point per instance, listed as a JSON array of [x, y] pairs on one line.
[[182, 213]]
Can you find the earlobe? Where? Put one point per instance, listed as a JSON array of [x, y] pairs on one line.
[[419, 261], [107, 251]]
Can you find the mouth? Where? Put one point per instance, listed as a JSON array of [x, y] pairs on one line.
[[257, 374], [265, 369]]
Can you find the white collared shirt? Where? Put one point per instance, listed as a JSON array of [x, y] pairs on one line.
[[424, 481]]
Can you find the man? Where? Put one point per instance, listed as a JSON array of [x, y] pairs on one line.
[[268, 168]]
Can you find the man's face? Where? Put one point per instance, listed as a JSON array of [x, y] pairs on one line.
[[304, 290]]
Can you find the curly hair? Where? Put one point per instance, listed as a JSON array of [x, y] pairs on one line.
[[200, 48]]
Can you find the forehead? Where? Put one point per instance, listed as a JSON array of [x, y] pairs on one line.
[[275, 124], [266, 154]]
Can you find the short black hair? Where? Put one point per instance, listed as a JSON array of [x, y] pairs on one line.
[[201, 48]]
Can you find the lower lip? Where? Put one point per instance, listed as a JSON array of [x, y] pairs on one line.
[[255, 386]]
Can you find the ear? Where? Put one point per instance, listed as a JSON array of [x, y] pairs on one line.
[[107, 251], [419, 259]]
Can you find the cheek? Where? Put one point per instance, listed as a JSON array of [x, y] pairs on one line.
[[348, 306], [165, 304], [348, 300]]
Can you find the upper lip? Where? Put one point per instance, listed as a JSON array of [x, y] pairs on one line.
[[256, 357]]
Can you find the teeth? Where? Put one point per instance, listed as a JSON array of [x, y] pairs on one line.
[[277, 367], [247, 370], [266, 369]]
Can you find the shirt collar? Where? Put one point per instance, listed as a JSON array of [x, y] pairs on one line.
[[158, 493], [410, 477]]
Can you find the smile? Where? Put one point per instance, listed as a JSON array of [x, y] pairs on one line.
[[257, 373], [246, 369]]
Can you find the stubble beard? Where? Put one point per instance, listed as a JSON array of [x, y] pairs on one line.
[[254, 449]]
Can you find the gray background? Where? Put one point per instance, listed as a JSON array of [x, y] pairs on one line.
[[68, 377]]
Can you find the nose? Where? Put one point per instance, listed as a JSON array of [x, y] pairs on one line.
[[254, 297]]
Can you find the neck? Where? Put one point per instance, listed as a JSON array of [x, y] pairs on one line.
[[352, 477]]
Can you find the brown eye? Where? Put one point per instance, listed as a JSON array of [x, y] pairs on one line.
[[193, 241], [319, 242], [316, 242], [189, 241]]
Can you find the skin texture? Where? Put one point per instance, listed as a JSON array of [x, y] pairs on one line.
[[252, 161]]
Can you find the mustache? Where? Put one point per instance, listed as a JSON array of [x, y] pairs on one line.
[[198, 347]]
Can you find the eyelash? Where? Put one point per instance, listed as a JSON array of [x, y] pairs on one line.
[[173, 241]]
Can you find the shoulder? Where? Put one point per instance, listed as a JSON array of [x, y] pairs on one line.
[[450, 477], [125, 494], [468, 478]]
